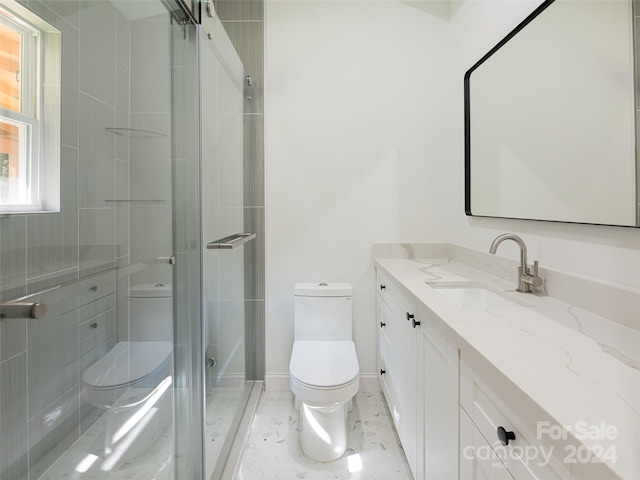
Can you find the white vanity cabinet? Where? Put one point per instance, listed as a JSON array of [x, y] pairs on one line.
[[447, 401], [418, 375], [398, 360], [500, 392]]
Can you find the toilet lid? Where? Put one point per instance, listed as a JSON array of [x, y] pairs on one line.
[[112, 370], [324, 363]]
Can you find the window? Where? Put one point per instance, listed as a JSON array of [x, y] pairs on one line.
[[29, 49]]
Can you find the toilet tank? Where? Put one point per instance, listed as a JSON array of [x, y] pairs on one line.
[[323, 311], [151, 312]]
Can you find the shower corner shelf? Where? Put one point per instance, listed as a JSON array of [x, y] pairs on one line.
[[134, 132], [142, 202]]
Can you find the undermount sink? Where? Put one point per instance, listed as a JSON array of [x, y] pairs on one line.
[[475, 295]]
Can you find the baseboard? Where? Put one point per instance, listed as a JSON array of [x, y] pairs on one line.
[[369, 383], [276, 382], [228, 380], [279, 382]]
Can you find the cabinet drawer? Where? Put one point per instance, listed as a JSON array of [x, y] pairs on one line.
[[386, 378], [478, 460], [386, 323], [386, 290], [526, 457]]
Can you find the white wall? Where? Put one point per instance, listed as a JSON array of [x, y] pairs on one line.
[[364, 143], [352, 143]]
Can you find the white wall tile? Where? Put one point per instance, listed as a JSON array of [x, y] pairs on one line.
[[150, 66], [97, 152], [98, 50]]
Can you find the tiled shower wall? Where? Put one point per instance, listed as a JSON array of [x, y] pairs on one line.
[[243, 21], [41, 408]]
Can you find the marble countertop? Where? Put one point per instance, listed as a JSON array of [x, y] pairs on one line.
[[580, 368]]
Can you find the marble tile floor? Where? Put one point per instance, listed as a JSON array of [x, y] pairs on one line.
[[152, 457], [273, 449]]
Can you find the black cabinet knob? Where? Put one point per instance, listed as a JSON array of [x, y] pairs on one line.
[[413, 320], [409, 316], [382, 324], [504, 436], [382, 287], [382, 372]]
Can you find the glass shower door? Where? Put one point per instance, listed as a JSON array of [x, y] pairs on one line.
[[108, 382], [222, 104]]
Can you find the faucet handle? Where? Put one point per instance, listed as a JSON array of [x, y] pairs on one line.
[[533, 278]]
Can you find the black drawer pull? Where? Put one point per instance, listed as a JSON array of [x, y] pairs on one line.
[[409, 316], [382, 372], [504, 436], [413, 320], [382, 324], [382, 287]]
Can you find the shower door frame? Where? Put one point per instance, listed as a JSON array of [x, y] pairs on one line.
[[189, 389]]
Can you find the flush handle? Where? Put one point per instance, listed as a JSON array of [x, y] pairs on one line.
[[504, 436]]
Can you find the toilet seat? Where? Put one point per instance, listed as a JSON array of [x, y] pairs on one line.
[[324, 372], [338, 365], [114, 370]]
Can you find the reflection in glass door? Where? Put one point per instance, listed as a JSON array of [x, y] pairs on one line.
[[106, 384], [139, 362]]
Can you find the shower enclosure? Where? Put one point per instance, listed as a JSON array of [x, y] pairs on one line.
[[122, 329]]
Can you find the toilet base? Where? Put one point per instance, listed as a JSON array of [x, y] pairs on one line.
[[323, 431], [297, 404]]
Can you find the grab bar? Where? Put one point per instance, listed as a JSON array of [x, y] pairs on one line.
[[23, 310], [232, 241]]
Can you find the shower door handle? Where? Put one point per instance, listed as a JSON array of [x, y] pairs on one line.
[[23, 310], [232, 241]]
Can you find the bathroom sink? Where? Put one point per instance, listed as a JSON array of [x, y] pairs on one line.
[[475, 295]]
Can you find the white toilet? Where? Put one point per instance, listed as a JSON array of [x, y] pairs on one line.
[[324, 369], [146, 359]]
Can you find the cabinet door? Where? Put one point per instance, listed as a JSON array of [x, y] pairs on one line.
[[439, 370], [405, 359]]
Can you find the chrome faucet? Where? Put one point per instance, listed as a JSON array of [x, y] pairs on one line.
[[526, 277]]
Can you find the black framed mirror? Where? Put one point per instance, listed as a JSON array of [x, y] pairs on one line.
[[550, 119]]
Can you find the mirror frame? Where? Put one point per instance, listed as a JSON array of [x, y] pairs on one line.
[[467, 125]]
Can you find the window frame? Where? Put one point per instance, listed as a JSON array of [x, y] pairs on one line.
[[29, 120]]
